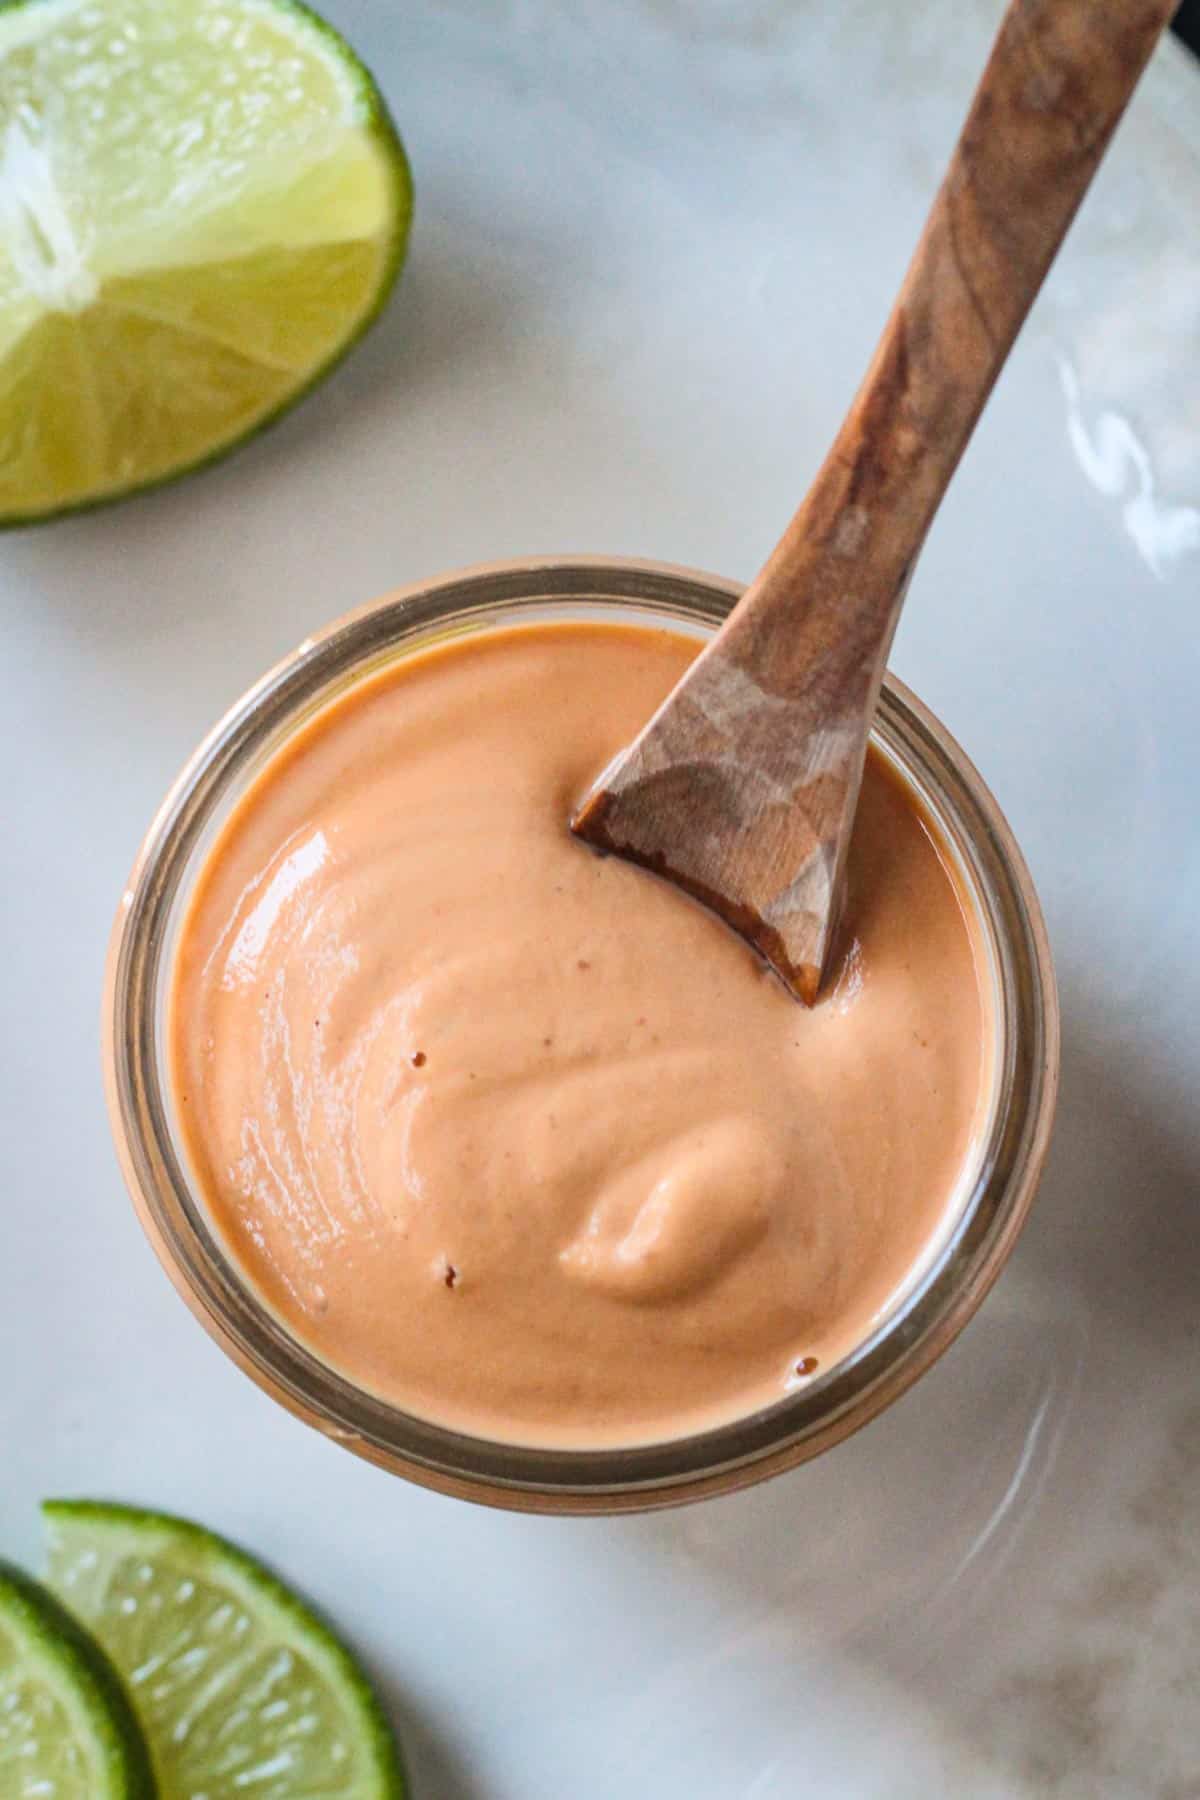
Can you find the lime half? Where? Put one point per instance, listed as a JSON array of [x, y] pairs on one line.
[[240, 1689], [203, 203], [66, 1726]]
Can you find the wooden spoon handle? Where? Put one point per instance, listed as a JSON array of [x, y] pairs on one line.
[[1058, 79]]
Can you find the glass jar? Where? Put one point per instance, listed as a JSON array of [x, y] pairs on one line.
[[943, 1294]]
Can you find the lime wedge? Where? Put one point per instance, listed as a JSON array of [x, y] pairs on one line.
[[66, 1726], [240, 1689], [203, 203]]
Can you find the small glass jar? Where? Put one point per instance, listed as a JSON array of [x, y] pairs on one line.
[[1011, 1143]]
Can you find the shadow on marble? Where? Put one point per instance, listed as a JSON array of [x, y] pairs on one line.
[[1115, 1223], [1095, 1691], [434, 1767]]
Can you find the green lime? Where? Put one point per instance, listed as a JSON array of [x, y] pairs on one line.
[[240, 1689], [66, 1726], [203, 203]]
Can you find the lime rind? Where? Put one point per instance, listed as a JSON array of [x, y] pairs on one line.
[[97, 1550], [340, 184], [52, 1666]]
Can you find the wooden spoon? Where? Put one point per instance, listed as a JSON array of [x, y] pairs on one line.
[[742, 788]]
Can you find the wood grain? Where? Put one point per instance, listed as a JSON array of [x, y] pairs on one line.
[[742, 788]]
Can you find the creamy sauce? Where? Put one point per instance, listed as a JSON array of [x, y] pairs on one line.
[[522, 1139]]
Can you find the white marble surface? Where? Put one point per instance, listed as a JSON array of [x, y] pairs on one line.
[[653, 246]]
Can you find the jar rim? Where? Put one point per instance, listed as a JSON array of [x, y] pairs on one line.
[[527, 1478]]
